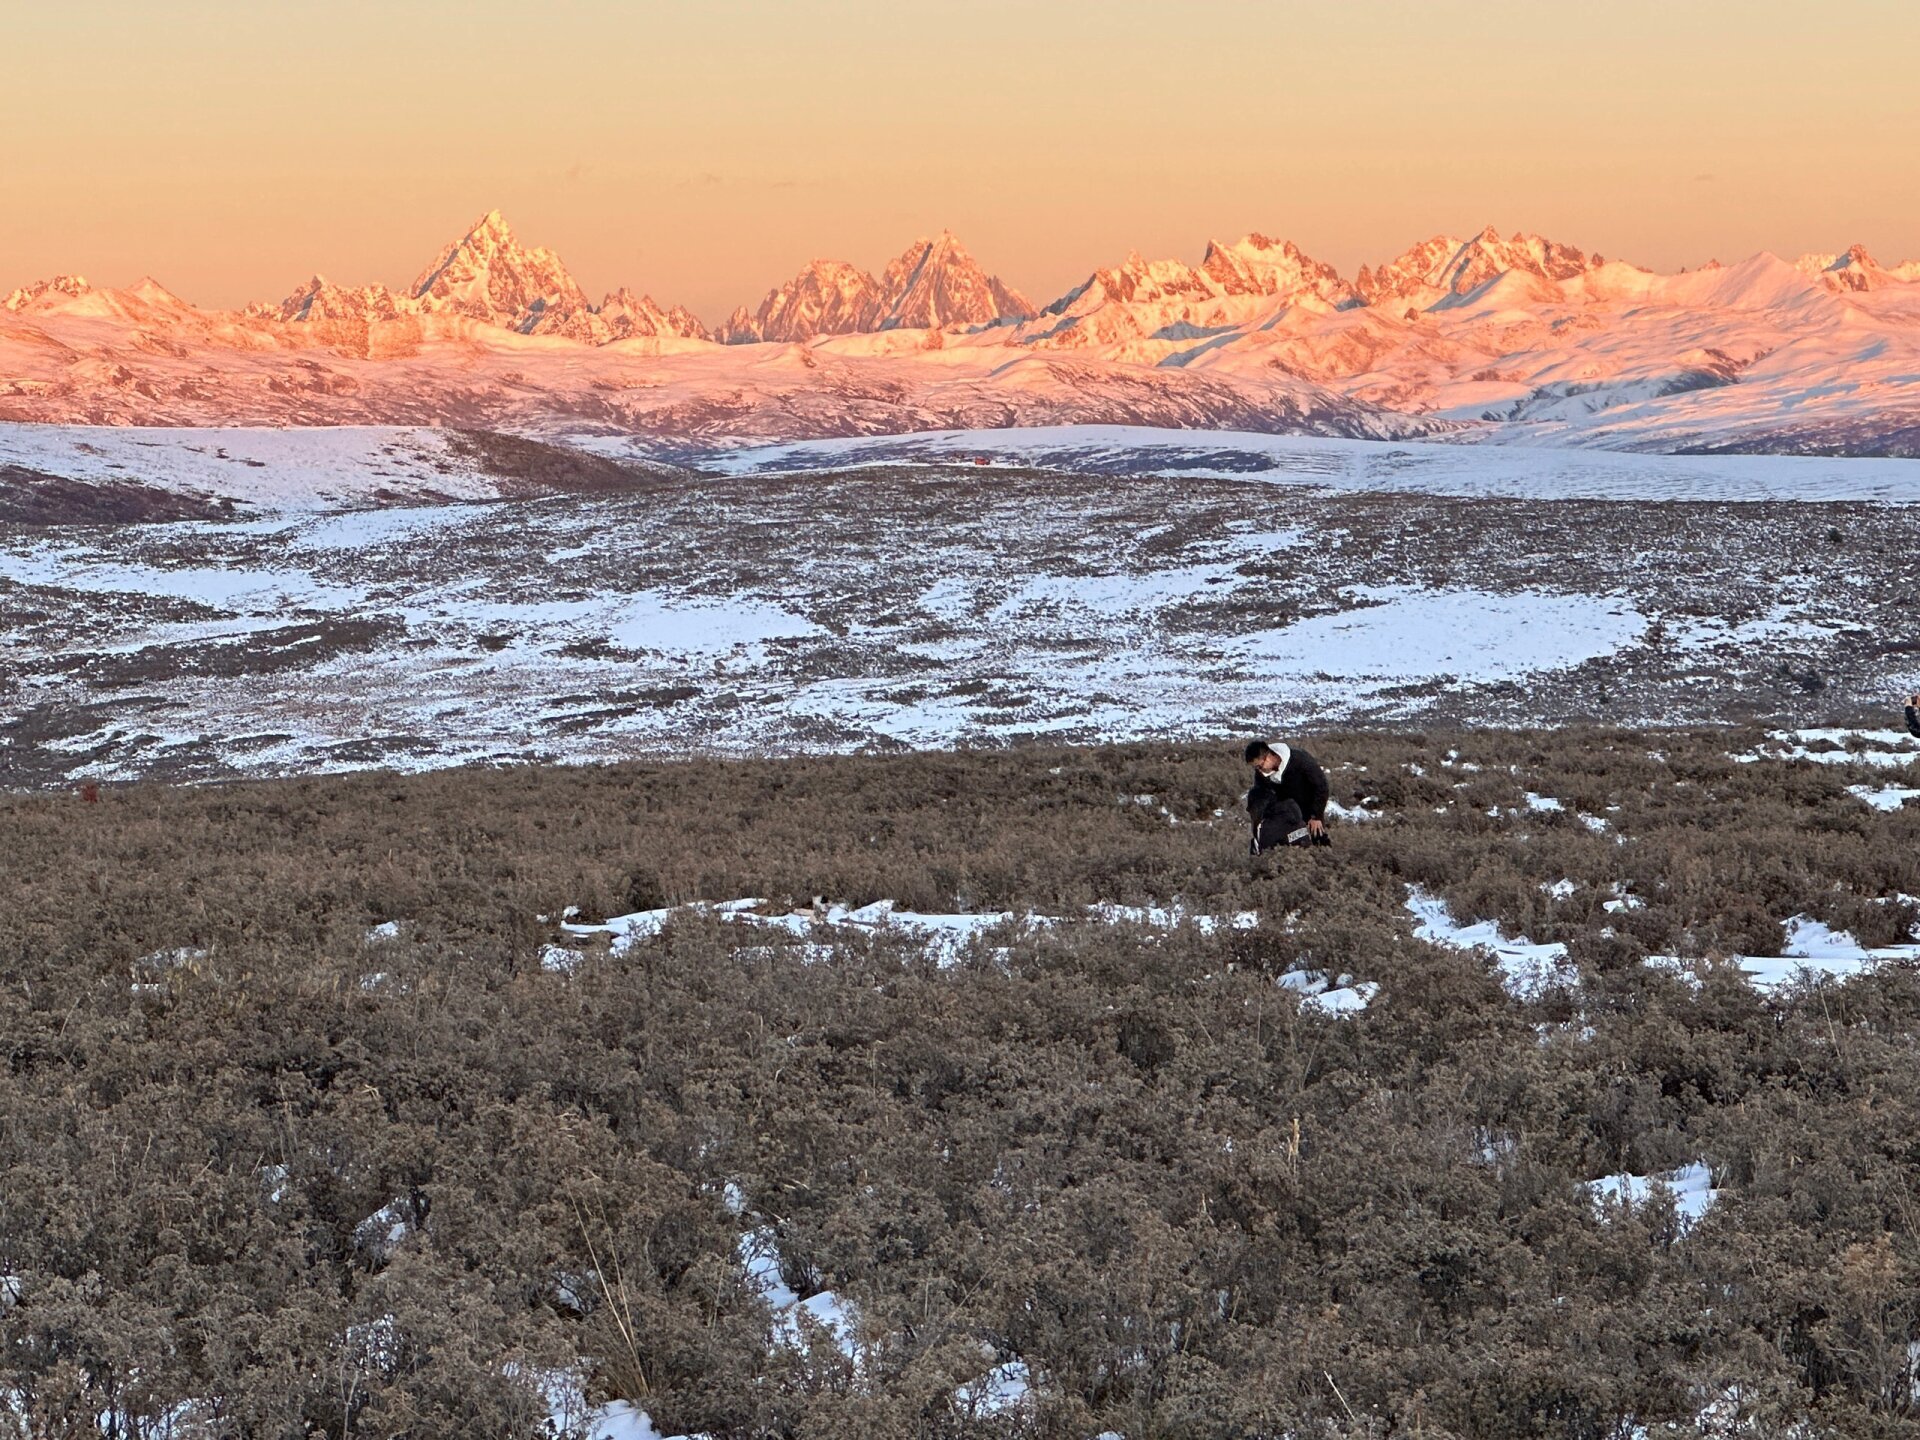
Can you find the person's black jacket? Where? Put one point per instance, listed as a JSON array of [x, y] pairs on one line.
[[1913, 720], [1303, 782]]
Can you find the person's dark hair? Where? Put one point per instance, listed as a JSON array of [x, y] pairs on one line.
[[1257, 748]]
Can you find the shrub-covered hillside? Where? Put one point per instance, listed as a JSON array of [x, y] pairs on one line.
[[316, 1119]]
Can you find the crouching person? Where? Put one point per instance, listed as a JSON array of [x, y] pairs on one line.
[[1288, 801], [1913, 715]]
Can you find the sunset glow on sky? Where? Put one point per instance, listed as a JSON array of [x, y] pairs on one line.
[[703, 152]]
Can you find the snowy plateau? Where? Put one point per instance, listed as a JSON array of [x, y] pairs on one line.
[[334, 598], [339, 600]]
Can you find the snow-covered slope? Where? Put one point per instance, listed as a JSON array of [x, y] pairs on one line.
[[1755, 356], [1855, 269], [291, 470]]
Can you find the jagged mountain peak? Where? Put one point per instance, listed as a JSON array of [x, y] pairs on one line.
[[836, 272], [321, 299], [1256, 245], [153, 292], [1443, 267], [826, 297], [490, 234], [1137, 274], [1525, 251], [1852, 269], [1415, 271], [146, 301], [47, 292], [488, 275], [942, 242], [1257, 264], [932, 284], [627, 316], [935, 283], [1140, 298]]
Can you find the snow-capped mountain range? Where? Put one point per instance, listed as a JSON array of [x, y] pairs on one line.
[[1490, 336]]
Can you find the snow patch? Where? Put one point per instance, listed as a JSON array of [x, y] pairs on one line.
[[944, 937], [1692, 1187], [1812, 950], [560, 959], [1886, 797], [1005, 1388], [384, 1231], [1623, 900], [1404, 633], [1884, 749], [1816, 949], [564, 1393], [1338, 997], [1342, 1001], [1527, 970], [1170, 917], [759, 1253]]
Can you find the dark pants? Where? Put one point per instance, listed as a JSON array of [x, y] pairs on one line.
[[1283, 824]]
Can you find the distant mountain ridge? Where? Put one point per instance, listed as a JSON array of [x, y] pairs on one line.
[[489, 277], [1550, 341]]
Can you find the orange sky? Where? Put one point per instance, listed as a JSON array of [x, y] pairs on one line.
[[702, 150]]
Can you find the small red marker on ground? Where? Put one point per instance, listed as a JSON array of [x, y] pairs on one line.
[[90, 792]]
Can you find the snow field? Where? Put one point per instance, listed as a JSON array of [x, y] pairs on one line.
[[272, 469], [1400, 633]]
